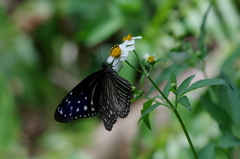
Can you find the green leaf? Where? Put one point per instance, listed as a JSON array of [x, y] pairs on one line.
[[150, 109], [173, 83], [166, 88], [184, 85], [218, 113], [229, 141], [173, 78], [206, 82], [102, 31], [145, 117], [160, 59], [175, 68], [201, 45], [185, 102], [142, 80], [208, 152]]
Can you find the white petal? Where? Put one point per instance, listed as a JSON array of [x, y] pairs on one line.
[[110, 59], [130, 48], [131, 42], [118, 66], [146, 56], [124, 56], [115, 62], [137, 37], [122, 46]]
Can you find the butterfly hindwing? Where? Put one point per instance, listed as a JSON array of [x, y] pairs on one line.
[[117, 94], [124, 93]]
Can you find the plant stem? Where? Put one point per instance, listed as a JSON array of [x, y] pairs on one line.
[[185, 132], [178, 117], [174, 108], [163, 95], [134, 67]]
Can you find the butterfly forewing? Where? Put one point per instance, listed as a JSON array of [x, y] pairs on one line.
[[78, 102]]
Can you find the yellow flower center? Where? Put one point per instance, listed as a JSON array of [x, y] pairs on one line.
[[115, 51], [150, 59], [128, 37]]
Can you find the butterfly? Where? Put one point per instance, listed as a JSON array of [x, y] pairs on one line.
[[104, 91]]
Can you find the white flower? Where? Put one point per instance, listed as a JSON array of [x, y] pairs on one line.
[[130, 40], [149, 59], [118, 54], [117, 66]]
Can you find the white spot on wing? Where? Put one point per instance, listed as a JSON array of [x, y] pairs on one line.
[[85, 107]]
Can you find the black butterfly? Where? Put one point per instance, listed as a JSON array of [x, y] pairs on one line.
[[104, 91]]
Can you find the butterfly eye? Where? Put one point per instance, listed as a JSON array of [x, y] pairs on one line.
[[104, 91]]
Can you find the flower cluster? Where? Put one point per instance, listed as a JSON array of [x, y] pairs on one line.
[[119, 53], [150, 59]]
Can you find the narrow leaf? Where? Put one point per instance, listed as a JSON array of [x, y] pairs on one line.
[[185, 102], [228, 141], [184, 85], [208, 152], [173, 83], [176, 68], [207, 82], [173, 78], [142, 80], [160, 59], [166, 88], [145, 118], [202, 36], [218, 113], [150, 109]]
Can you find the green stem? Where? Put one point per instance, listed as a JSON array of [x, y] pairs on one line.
[[178, 117], [174, 108], [140, 62], [186, 133], [163, 95], [157, 102], [134, 68]]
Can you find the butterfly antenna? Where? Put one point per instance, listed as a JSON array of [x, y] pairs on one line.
[[99, 54]]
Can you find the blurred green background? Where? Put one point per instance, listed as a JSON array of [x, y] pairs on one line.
[[48, 46]]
